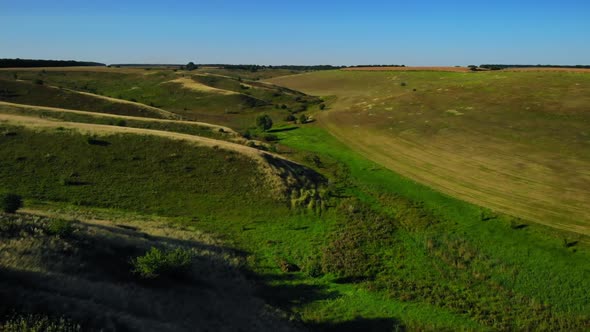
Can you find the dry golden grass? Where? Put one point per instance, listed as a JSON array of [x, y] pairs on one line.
[[196, 86], [513, 142]]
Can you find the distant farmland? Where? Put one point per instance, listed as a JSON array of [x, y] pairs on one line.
[[516, 142]]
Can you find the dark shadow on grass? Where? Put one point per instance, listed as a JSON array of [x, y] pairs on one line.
[[280, 130], [360, 325], [286, 291]]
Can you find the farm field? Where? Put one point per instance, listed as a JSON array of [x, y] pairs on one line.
[[315, 229], [515, 142]]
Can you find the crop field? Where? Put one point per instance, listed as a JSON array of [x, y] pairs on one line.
[[515, 142]]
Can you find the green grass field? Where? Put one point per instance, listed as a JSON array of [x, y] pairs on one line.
[[352, 245]]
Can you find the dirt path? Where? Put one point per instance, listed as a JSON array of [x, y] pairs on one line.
[[200, 87]]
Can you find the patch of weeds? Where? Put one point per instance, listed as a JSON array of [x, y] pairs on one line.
[[162, 263]]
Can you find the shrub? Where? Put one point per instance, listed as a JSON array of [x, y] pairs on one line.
[[290, 118], [121, 123], [60, 227], [247, 134], [11, 202], [264, 122], [167, 263], [33, 323], [39, 81], [322, 106], [403, 84]]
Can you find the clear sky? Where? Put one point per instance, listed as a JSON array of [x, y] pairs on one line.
[[410, 32]]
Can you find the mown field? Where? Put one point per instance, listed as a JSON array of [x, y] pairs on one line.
[[515, 142], [327, 239]]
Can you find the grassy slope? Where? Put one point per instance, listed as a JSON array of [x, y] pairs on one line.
[[495, 251], [518, 139], [167, 179], [24, 92], [158, 88], [185, 127]]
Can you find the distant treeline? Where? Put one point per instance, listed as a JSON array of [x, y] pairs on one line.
[[498, 67], [143, 65], [18, 63], [362, 66], [262, 67]]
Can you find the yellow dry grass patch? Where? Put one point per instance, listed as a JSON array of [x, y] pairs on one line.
[[495, 174], [196, 86]]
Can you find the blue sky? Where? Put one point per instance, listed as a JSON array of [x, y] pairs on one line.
[[419, 32]]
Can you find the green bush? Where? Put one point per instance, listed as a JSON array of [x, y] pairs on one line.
[[156, 263], [11, 202], [60, 227], [264, 122]]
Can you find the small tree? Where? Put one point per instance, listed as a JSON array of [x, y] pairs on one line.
[[191, 66], [11, 203], [264, 122]]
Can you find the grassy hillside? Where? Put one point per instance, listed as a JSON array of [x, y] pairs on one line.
[[342, 243], [24, 92], [516, 142], [206, 97], [58, 114]]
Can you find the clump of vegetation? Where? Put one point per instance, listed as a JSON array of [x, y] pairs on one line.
[[11, 202], [290, 118], [264, 122], [162, 263], [322, 107], [38, 323], [60, 227], [270, 137]]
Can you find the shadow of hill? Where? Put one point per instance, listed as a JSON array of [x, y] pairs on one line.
[[86, 276], [361, 325]]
